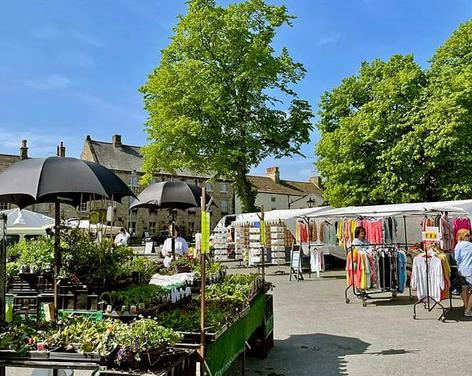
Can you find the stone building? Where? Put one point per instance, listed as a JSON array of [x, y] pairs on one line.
[[126, 161], [275, 193]]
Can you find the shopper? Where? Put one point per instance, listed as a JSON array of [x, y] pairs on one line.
[[122, 238], [463, 255], [180, 249], [359, 237]]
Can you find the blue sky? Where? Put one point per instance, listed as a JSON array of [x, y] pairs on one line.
[[72, 68]]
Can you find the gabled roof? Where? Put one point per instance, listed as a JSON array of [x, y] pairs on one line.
[[126, 158], [265, 184]]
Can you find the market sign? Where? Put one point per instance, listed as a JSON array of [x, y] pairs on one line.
[[263, 233], [431, 234], [205, 232]]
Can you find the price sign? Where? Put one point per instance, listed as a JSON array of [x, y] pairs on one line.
[[431, 234], [205, 232]]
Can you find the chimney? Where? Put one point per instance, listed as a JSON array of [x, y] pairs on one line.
[[316, 180], [273, 173], [61, 150], [23, 150], [116, 140]]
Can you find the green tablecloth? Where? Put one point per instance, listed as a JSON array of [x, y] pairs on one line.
[[222, 352]]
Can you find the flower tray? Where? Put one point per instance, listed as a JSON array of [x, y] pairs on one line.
[[68, 356], [31, 355]]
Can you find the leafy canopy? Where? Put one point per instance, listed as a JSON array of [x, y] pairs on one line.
[[221, 99], [395, 133]]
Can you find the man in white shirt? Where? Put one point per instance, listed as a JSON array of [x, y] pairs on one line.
[[122, 238], [180, 248]]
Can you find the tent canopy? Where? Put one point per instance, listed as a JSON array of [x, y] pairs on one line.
[[455, 207], [17, 218]]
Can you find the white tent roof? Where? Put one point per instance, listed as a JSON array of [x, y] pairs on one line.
[[456, 207], [17, 218], [288, 216]]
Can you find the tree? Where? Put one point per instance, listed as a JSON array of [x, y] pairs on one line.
[[394, 133], [216, 100], [362, 122], [447, 117]]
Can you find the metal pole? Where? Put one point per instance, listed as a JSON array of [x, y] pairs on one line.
[[172, 239], [263, 248], [406, 236], [3, 264], [57, 220], [202, 293]]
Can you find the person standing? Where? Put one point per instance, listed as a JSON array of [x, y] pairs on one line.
[[180, 247], [463, 255]]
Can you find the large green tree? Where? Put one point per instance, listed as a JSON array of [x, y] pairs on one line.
[[394, 133], [361, 122], [222, 99]]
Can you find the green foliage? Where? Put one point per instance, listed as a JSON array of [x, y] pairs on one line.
[[394, 133], [144, 266], [216, 100], [38, 254], [92, 262], [147, 294]]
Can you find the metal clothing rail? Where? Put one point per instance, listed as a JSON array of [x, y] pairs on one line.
[[363, 294], [428, 300]]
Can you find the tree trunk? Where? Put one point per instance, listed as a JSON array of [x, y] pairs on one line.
[[246, 192]]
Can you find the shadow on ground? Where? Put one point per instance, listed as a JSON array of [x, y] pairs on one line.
[[308, 354]]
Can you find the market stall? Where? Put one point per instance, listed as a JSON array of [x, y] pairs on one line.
[[391, 258]]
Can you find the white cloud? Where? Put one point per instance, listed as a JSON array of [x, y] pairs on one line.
[[87, 39], [51, 82], [329, 39], [47, 32], [39, 143], [76, 58]]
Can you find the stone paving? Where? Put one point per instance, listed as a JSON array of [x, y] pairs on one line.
[[317, 333]]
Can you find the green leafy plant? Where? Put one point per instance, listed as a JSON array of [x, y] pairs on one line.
[[147, 294]]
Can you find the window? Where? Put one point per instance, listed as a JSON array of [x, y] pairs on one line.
[[4, 206], [272, 199], [152, 228], [209, 187], [224, 206], [133, 180], [83, 208], [223, 187]]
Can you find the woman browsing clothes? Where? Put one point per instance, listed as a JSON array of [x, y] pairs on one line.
[[463, 255], [180, 248], [359, 237]]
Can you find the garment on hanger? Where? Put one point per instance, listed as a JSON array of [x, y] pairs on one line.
[[433, 281], [446, 230]]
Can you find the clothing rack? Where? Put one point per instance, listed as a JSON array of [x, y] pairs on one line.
[[362, 294], [428, 300]]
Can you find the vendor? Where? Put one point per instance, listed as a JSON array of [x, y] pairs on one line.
[[463, 255], [181, 246], [122, 238], [359, 237]]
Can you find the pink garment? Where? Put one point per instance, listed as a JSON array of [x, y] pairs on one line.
[[447, 234], [460, 223]]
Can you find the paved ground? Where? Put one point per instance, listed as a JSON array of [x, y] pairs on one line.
[[317, 333]]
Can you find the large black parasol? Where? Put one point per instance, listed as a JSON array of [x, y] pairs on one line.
[[71, 180], [175, 194], [170, 194], [60, 180]]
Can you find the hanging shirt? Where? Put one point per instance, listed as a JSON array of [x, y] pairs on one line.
[[447, 233], [435, 277]]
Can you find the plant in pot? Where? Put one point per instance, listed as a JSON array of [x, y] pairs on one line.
[[142, 342]]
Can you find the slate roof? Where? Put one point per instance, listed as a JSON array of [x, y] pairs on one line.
[[126, 158], [265, 184]]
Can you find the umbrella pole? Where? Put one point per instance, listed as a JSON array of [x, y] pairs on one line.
[[57, 220], [172, 239], [202, 295]]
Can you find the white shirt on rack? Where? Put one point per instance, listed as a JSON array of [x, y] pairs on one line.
[[435, 277]]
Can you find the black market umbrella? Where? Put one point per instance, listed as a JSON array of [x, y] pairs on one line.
[[175, 194], [170, 194], [72, 181], [60, 180]]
